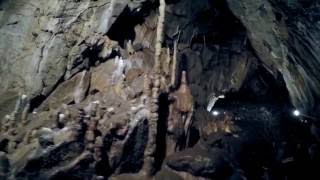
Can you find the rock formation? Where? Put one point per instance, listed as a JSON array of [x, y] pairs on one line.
[[97, 89], [181, 112]]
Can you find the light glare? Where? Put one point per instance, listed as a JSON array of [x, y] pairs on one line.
[[296, 113], [215, 113]]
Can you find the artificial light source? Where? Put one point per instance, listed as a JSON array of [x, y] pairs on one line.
[[215, 113], [296, 113]]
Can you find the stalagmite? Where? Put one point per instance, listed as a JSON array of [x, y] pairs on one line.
[[167, 64], [174, 64], [24, 114], [147, 85], [155, 91], [82, 88], [20, 113], [5, 123], [98, 145], [159, 38], [61, 121], [153, 119], [181, 113]]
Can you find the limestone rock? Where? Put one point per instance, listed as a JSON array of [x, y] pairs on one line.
[[200, 162], [70, 56], [37, 40], [82, 87]]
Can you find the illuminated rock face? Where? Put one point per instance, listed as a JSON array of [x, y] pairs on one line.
[[91, 61], [41, 42]]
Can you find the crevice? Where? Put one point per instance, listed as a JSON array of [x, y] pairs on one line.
[[122, 29], [163, 112], [37, 100]]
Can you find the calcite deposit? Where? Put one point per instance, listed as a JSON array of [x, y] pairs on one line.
[[159, 89]]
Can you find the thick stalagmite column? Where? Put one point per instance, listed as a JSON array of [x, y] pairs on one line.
[[155, 91]]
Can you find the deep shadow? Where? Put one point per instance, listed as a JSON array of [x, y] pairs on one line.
[[133, 151], [4, 145], [36, 101], [122, 29], [162, 130], [260, 87]]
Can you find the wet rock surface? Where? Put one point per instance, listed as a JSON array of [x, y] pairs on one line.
[[84, 93]]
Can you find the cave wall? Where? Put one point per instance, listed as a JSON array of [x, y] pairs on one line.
[[42, 43], [69, 54], [285, 36]]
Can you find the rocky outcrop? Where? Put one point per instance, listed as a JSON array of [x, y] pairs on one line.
[[43, 43]]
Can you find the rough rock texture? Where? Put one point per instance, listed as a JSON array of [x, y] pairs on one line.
[[80, 97], [285, 36], [42, 42]]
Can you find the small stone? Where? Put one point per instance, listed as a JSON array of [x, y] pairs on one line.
[[89, 136], [110, 110], [99, 142]]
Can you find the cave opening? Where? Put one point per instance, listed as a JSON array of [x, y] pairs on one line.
[[36, 101], [263, 104], [124, 24], [260, 87], [122, 29], [91, 56]]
